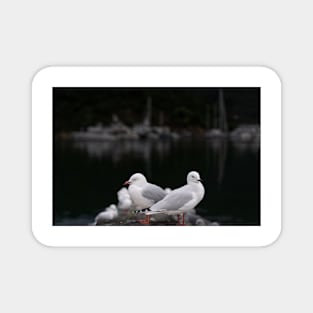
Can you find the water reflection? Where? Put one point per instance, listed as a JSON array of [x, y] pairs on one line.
[[216, 152], [117, 151]]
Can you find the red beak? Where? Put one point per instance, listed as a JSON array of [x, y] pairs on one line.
[[126, 183]]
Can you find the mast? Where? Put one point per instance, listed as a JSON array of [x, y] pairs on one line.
[[222, 110], [147, 119]]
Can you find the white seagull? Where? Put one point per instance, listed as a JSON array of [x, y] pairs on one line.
[[124, 200], [143, 194], [181, 200], [109, 213]]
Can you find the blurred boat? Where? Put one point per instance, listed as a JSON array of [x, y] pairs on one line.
[[116, 131], [119, 131], [246, 133]]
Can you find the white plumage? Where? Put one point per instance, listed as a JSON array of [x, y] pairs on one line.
[[181, 200], [142, 193], [108, 214], [124, 200]]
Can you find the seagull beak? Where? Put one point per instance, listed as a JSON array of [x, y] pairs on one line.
[[126, 183], [200, 180]]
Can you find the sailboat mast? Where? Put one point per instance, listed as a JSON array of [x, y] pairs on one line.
[[147, 120], [222, 110]]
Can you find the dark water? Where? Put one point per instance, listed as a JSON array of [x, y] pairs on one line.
[[87, 176]]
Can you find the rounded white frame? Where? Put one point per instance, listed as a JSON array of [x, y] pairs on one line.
[[162, 236]]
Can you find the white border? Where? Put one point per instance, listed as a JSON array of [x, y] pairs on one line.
[[164, 236]]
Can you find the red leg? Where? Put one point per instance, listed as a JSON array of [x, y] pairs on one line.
[[146, 221], [181, 223]]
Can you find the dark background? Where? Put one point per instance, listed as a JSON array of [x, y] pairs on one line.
[[74, 108]]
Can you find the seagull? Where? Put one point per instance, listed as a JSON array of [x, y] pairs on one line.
[[124, 200], [181, 200], [167, 190], [109, 213], [143, 194]]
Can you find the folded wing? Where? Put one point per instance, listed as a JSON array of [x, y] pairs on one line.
[[174, 200], [153, 192]]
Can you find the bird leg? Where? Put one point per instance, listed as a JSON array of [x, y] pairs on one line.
[[183, 220], [146, 221]]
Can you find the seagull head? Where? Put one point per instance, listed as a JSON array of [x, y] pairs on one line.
[[193, 177], [136, 179], [112, 207]]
